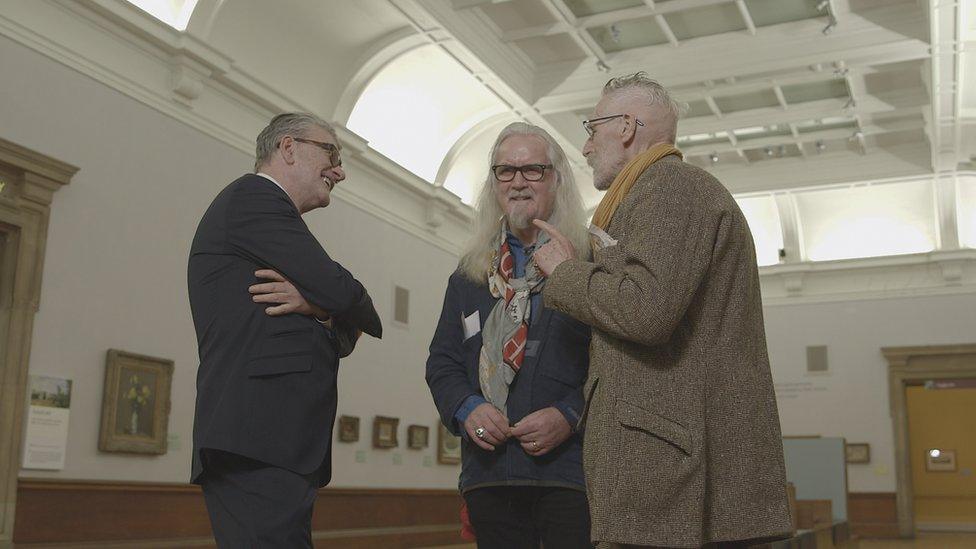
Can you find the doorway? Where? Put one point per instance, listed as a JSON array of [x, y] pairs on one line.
[[922, 381]]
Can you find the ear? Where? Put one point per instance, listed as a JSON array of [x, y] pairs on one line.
[[629, 131], [287, 150]]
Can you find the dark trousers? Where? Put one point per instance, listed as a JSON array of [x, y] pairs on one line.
[[517, 517], [255, 505]]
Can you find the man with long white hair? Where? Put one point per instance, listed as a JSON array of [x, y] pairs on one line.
[[506, 373]]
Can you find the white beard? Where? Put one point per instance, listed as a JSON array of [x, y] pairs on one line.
[[520, 218]]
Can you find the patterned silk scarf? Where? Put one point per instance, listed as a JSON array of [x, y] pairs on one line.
[[505, 330]]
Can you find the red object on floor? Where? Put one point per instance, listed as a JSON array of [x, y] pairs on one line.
[[467, 531]]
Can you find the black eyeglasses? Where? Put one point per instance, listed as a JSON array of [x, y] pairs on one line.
[[588, 124], [327, 147], [531, 172]]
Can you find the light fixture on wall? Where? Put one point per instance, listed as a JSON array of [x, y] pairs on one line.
[[768, 151], [821, 146], [713, 157]]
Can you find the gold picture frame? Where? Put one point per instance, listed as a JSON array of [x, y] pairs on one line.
[[448, 446], [348, 429], [857, 452], [417, 436], [385, 432], [135, 403]]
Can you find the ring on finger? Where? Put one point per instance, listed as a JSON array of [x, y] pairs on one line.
[[479, 432], [535, 445]]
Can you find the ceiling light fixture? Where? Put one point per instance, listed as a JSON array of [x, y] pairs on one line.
[[831, 24]]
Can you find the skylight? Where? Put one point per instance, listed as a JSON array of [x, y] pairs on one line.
[[418, 106], [175, 13]]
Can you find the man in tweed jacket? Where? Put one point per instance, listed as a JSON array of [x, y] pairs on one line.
[[682, 444]]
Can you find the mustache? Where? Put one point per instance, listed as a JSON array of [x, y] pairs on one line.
[[513, 195]]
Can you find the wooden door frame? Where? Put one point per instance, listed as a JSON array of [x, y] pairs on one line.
[[29, 181], [911, 365]]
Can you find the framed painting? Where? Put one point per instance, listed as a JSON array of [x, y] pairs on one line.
[[448, 446], [348, 428], [417, 436], [135, 403], [385, 432]]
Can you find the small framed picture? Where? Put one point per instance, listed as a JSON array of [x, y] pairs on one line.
[[448, 446], [938, 460], [348, 428], [858, 452], [417, 436], [385, 432], [135, 403]]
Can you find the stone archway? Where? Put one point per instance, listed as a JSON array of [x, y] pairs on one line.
[[28, 181], [915, 365]]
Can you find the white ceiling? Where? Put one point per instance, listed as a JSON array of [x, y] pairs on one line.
[[797, 106]]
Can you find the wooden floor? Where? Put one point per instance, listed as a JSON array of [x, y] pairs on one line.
[[923, 541], [928, 540]]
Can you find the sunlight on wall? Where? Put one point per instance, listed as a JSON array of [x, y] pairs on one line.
[[868, 221], [175, 13], [764, 222], [966, 210], [415, 109]]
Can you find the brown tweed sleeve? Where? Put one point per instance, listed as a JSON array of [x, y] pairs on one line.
[[641, 290]]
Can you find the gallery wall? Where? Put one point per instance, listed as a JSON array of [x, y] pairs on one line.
[[115, 274]]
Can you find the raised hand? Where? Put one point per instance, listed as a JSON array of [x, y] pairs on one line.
[[552, 253]]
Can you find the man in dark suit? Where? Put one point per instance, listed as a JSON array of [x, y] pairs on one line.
[[266, 387]]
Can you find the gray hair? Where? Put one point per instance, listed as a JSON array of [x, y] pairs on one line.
[[567, 216], [295, 124], [657, 97]]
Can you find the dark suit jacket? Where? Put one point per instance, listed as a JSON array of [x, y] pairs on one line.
[[266, 387]]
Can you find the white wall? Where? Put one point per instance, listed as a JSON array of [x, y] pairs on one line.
[[115, 273], [851, 401]]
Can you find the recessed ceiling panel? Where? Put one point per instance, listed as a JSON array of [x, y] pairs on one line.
[[747, 101], [551, 49], [516, 15], [582, 8], [774, 12], [706, 21], [625, 35], [697, 108], [815, 91]]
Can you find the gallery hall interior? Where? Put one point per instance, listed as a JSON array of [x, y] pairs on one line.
[[844, 130]]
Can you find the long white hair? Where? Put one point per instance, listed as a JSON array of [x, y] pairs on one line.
[[567, 215]]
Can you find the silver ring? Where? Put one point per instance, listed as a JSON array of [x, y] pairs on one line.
[[479, 432], [535, 445]]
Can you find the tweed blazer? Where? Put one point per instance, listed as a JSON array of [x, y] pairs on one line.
[[682, 441]]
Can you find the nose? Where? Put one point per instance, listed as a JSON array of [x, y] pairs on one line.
[[588, 146], [338, 174], [519, 182]]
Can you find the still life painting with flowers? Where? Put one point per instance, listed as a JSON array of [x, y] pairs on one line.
[[136, 403]]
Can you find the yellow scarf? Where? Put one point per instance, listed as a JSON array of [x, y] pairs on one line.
[[625, 180]]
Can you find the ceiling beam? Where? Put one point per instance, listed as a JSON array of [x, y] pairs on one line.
[[860, 41], [746, 16]]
